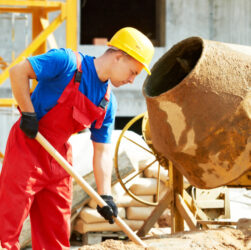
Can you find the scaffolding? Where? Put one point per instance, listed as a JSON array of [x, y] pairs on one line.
[[41, 29], [13, 17], [42, 32]]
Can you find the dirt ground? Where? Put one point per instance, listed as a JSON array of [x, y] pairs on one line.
[[220, 239]]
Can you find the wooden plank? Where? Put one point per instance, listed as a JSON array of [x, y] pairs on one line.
[[80, 197], [208, 194], [82, 227], [176, 186], [213, 222], [227, 214], [156, 213], [91, 238], [214, 199], [209, 204], [199, 213], [217, 198], [185, 212]]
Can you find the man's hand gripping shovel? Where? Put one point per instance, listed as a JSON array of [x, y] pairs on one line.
[[86, 187]]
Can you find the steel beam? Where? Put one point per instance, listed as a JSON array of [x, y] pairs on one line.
[[31, 3], [28, 9], [34, 45], [7, 102], [71, 24]]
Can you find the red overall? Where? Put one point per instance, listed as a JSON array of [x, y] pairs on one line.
[[32, 182]]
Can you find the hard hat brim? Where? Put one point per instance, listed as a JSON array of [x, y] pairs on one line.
[[147, 69]]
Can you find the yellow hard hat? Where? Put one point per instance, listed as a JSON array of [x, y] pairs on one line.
[[135, 44]]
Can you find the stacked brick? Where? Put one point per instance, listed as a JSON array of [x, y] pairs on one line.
[[131, 211]]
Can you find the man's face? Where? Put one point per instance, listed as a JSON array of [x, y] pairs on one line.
[[124, 70]]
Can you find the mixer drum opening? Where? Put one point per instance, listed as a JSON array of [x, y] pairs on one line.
[[174, 66]]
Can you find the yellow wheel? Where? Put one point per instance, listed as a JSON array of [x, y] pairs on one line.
[[147, 147]]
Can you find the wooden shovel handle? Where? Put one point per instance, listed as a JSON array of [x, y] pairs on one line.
[[86, 187]]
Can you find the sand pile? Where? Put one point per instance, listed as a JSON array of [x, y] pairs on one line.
[[112, 245], [220, 239]]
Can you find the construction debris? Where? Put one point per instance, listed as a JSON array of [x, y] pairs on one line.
[[220, 239]]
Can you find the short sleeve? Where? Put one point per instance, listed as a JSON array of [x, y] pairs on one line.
[[104, 134], [51, 64]]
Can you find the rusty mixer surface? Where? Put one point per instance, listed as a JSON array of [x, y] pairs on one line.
[[199, 106]]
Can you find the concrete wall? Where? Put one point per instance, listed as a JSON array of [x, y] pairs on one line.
[[221, 20]]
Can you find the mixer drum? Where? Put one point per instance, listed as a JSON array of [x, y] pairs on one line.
[[199, 105]]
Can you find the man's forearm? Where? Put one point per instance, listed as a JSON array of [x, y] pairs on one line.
[[102, 167], [19, 77]]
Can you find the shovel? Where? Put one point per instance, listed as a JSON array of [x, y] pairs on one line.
[[86, 187]]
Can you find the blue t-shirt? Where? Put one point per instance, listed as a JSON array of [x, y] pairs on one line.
[[54, 70]]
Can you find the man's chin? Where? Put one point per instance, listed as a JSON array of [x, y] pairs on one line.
[[115, 84]]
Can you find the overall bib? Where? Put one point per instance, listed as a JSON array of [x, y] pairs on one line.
[[32, 182]]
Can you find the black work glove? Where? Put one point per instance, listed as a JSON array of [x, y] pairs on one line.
[[29, 124], [108, 211]]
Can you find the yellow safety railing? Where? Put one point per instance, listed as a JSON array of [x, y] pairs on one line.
[[41, 29], [7, 102], [1, 156]]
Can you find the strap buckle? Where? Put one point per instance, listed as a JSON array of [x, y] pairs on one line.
[[103, 103], [78, 76]]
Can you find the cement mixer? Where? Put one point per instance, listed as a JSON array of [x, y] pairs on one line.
[[199, 106], [199, 111]]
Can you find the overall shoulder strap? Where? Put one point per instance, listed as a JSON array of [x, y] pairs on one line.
[[79, 69], [104, 102]]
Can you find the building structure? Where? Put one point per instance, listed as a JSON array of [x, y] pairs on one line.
[[166, 22]]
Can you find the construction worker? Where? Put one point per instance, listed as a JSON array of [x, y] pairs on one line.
[[73, 93]]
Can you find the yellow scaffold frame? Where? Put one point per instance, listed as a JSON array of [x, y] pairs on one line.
[[41, 29], [1, 156]]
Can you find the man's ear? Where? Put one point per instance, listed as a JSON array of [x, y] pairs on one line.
[[118, 55]]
